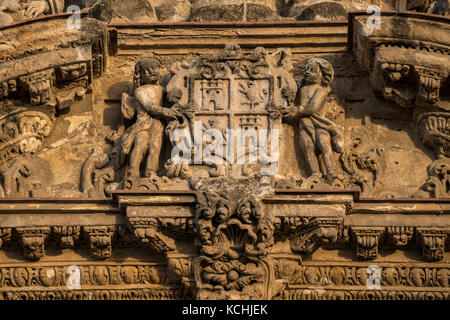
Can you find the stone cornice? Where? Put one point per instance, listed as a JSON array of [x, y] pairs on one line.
[[301, 36], [171, 214]]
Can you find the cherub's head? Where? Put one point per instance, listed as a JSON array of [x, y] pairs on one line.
[[147, 71], [318, 70], [222, 212]]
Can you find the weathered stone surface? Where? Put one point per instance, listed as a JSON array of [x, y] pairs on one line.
[[208, 150], [123, 11], [440, 7], [323, 11]]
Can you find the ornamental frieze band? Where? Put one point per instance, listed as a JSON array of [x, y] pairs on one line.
[[224, 150]]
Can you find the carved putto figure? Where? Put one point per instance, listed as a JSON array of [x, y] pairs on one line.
[[143, 140], [315, 131]]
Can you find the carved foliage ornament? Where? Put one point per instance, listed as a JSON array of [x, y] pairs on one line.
[[433, 243], [22, 132], [33, 241], [366, 241], [363, 159], [100, 240]]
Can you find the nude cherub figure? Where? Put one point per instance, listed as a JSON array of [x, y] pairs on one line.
[[315, 131], [143, 140]]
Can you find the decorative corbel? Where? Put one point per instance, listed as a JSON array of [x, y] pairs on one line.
[[39, 86], [100, 240], [313, 234], [366, 241], [67, 236], [433, 243], [7, 87], [32, 240], [429, 83], [400, 236], [148, 231], [73, 82], [5, 234], [390, 79]]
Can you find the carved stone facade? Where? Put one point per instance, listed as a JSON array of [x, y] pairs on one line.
[[224, 150]]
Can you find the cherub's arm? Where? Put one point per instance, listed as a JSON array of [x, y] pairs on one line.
[[315, 103], [154, 110]]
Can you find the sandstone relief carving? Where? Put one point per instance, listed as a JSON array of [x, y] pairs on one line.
[[225, 92], [315, 130], [313, 233], [135, 168], [145, 136], [234, 234], [363, 159], [415, 83], [38, 85]]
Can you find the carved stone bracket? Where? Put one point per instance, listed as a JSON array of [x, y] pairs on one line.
[[433, 243], [67, 236], [33, 241], [408, 65], [39, 87], [430, 80], [160, 235], [58, 67], [408, 82], [5, 234], [148, 231], [313, 234], [100, 240], [400, 236], [366, 241], [54, 87]]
